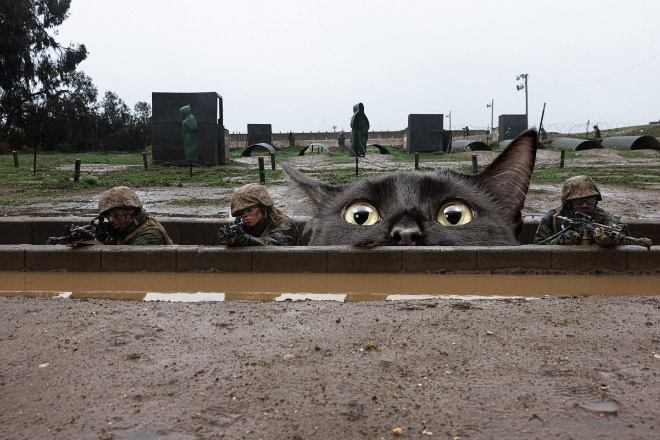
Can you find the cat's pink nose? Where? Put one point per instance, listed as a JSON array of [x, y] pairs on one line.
[[406, 236]]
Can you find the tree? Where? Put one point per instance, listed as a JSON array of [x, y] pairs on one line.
[[34, 67], [142, 122], [114, 123]]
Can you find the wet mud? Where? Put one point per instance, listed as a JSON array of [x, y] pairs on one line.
[[555, 367]]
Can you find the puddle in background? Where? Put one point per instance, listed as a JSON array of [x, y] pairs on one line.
[[333, 287]]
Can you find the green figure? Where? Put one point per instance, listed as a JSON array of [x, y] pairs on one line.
[[359, 132], [596, 132], [507, 133], [189, 129]]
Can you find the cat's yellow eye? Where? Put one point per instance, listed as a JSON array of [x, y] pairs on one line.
[[454, 213], [361, 213]]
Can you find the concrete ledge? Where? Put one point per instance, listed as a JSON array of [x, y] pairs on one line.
[[588, 259], [439, 259], [640, 258], [297, 259], [47, 258], [213, 259], [16, 230], [349, 259], [138, 258], [528, 257], [330, 259], [204, 231], [12, 258], [201, 231]]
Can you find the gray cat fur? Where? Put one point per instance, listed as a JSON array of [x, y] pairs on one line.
[[409, 201]]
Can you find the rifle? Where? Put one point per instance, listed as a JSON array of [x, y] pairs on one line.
[[228, 232], [602, 234], [97, 232]]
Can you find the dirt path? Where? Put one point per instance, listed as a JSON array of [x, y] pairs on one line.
[[582, 367]]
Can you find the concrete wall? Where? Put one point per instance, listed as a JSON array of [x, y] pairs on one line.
[[330, 259], [204, 232], [196, 253]]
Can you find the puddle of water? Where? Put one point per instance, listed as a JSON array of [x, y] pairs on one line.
[[606, 407], [184, 297], [332, 287]]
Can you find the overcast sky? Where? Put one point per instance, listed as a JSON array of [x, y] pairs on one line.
[[301, 65]]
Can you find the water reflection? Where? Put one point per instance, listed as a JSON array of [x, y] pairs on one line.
[[331, 287]]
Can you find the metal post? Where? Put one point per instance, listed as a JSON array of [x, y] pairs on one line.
[[272, 161], [262, 173], [356, 165], [15, 158], [475, 166], [561, 159], [76, 172], [492, 112], [526, 104], [416, 160], [144, 160]]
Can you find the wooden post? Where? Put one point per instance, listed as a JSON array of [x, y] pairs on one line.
[[475, 166], [262, 173], [76, 172], [561, 159], [15, 158], [144, 160]]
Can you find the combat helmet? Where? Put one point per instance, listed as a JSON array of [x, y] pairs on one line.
[[250, 195], [118, 197], [578, 187]]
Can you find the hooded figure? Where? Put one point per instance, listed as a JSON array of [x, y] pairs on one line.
[[259, 222], [579, 194], [189, 130], [359, 131]]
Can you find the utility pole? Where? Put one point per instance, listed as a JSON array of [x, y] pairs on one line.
[[523, 76], [492, 111]]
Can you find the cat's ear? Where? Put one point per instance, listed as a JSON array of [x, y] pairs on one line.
[[316, 190], [509, 175]]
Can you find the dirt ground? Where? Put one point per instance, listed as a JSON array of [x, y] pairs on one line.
[[555, 367], [643, 203]]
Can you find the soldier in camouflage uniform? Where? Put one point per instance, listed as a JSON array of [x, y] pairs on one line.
[[130, 223], [579, 194], [260, 222]]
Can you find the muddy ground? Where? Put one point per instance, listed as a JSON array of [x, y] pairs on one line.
[[202, 201], [556, 367]]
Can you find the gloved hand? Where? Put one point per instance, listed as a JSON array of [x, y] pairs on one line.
[[570, 237], [600, 238], [238, 237]]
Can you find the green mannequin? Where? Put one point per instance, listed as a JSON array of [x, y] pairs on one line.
[[359, 131], [189, 129]]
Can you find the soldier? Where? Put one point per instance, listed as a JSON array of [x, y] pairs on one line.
[[579, 194], [258, 221], [130, 223]]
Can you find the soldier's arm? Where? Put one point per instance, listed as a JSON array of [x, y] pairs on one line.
[[150, 237], [286, 234], [544, 231]]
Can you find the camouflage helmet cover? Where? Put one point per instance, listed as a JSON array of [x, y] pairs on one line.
[[250, 195], [578, 187], [118, 197]]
